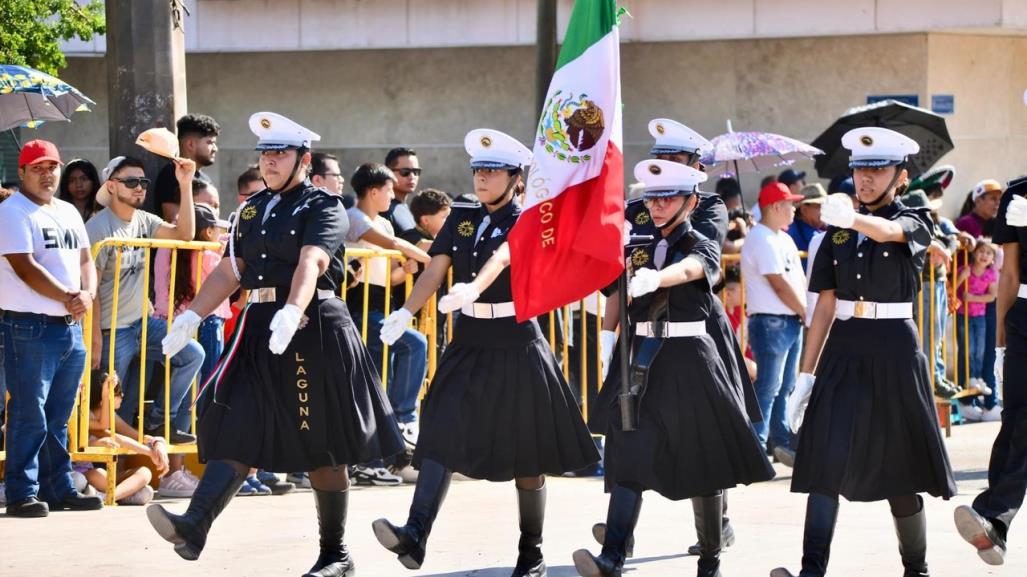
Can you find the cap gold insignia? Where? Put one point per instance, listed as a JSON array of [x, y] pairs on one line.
[[265, 123], [639, 257], [660, 129], [867, 141], [486, 141], [465, 228], [655, 169], [840, 237], [642, 218], [249, 212]]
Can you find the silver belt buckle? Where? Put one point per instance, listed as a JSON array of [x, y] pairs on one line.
[[865, 310], [482, 310]]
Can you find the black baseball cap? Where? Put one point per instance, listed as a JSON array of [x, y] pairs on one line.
[[790, 177]]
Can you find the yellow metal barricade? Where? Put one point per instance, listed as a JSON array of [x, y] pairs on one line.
[[78, 429]]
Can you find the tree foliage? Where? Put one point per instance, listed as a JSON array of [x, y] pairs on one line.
[[32, 30]]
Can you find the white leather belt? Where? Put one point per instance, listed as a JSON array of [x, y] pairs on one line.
[[868, 310], [666, 330], [489, 310], [270, 295], [1022, 293]]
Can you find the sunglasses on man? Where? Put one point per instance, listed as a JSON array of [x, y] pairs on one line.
[[405, 172], [133, 182]]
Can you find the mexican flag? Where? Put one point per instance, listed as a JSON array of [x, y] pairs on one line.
[[567, 242]]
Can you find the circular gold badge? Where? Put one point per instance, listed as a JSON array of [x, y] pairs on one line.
[[867, 141], [639, 257], [465, 228], [840, 237], [249, 212], [486, 141], [642, 218], [655, 169], [660, 129], [265, 123]]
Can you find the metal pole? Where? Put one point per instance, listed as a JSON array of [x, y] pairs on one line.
[[545, 51]]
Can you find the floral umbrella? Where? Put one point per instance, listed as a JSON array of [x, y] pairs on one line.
[[737, 152], [29, 97]]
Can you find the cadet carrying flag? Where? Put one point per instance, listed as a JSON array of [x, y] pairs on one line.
[[567, 242]]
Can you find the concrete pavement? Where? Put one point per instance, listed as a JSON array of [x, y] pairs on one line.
[[476, 533]]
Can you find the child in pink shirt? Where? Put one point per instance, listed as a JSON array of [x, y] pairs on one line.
[[981, 280]]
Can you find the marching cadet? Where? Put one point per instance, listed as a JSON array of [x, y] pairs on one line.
[[498, 407], [676, 142], [296, 390], [694, 437], [870, 431], [985, 525]]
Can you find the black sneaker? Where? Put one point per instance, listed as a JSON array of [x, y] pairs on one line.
[[77, 502], [177, 437], [28, 508]]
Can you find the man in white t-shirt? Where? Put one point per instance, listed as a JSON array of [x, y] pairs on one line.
[[48, 283], [408, 361], [775, 288]]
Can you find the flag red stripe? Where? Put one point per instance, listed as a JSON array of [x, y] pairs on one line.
[[569, 255]]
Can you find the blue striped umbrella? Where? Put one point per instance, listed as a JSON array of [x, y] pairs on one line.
[[29, 97]]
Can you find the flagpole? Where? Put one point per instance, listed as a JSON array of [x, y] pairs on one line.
[[545, 51]]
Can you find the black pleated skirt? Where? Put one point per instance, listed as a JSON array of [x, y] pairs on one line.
[[871, 429], [319, 403], [694, 436], [501, 413]]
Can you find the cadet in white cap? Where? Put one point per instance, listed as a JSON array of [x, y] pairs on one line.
[[870, 431], [499, 407], [693, 437], [678, 143], [295, 389], [985, 524]]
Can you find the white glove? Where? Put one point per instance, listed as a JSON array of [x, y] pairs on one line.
[[627, 233], [607, 340], [181, 332], [1016, 212], [837, 210], [460, 295], [1000, 360], [394, 326], [284, 325], [644, 281], [795, 406]]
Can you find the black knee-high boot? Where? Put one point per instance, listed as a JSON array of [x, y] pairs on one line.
[[334, 560], [821, 516], [599, 532], [620, 525], [912, 533], [408, 542], [709, 526], [531, 504], [188, 532]]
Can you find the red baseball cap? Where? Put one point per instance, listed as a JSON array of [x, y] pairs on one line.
[[776, 192], [38, 151]]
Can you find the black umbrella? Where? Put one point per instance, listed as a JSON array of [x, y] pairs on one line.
[[925, 127]]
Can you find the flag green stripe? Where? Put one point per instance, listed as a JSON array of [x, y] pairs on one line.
[[590, 21]]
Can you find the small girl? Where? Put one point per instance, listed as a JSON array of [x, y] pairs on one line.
[[133, 485], [983, 288]]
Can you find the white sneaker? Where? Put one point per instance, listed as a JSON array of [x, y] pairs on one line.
[[301, 480], [179, 484], [79, 481], [410, 432], [971, 413], [140, 497], [378, 477], [992, 415]]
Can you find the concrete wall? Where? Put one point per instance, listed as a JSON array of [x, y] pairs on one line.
[[264, 25], [363, 102]]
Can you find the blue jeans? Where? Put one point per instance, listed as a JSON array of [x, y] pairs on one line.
[[184, 368], [982, 344], [44, 363], [776, 342], [940, 317], [408, 365], [212, 339]]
